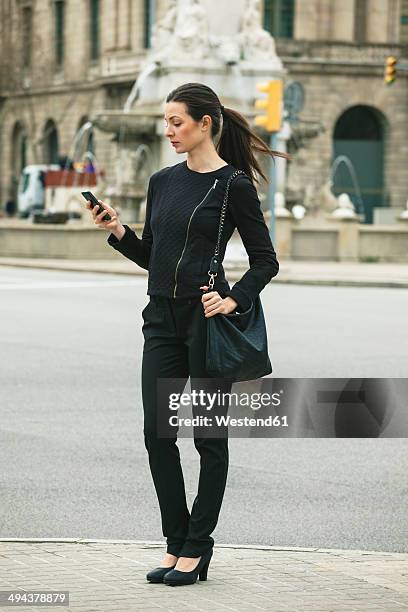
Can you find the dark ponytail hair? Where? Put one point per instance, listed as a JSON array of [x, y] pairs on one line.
[[237, 142]]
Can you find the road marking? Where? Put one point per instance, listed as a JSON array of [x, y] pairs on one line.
[[68, 285]]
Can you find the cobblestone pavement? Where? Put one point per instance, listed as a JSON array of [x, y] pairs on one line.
[[103, 575]]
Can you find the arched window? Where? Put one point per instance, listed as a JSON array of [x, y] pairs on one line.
[[279, 17], [361, 122], [358, 147], [50, 143]]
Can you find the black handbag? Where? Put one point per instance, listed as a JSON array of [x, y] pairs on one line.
[[237, 343]]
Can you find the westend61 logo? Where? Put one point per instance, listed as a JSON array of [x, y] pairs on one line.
[[283, 407]]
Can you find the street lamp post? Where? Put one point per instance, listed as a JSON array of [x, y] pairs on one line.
[[271, 122], [273, 139]]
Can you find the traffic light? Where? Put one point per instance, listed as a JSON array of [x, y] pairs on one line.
[[272, 120], [390, 69]]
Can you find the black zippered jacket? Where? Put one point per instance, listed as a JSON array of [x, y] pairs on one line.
[[181, 229]]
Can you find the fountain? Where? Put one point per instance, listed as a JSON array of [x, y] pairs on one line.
[[343, 159], [195, 40], [322, 204]]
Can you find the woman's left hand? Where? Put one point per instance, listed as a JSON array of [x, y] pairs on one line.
[[214, 304]]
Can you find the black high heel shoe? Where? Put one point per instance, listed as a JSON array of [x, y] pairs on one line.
[[157, 574], [176, 577]]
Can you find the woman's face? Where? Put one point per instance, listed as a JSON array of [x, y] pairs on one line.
[[182, 131]]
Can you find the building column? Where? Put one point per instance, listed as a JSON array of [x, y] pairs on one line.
[[306, 18], [343, 20], [378, 22]]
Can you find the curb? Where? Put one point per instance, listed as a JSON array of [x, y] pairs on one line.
[[68, 268], [154, 543], [234, 273]]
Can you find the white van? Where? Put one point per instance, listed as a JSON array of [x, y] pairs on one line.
[[31, 188]]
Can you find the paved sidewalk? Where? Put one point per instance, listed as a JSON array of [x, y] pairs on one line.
[[298, 272], [110, 575]]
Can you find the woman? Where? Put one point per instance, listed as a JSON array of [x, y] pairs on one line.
[[178, 241]]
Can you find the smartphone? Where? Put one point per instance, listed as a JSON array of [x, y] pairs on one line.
[[88, 195]]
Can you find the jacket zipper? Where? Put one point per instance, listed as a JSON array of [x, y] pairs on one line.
[[188, 228]]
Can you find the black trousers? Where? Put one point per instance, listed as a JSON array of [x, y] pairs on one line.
[[174, 332]]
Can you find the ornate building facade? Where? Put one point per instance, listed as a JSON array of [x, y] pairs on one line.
[[62, 61]]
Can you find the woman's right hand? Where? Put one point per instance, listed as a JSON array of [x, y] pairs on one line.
[[114, 225]]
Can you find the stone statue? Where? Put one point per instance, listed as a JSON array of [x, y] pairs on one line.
[[191, 32], [225, 48], [163, 31], [188, 38], [183, 33], [256, 43]]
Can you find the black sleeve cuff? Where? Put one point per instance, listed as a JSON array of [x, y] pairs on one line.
[[119, 245], [244, 302]]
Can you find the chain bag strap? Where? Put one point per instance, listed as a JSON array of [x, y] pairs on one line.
[[215, 260]]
